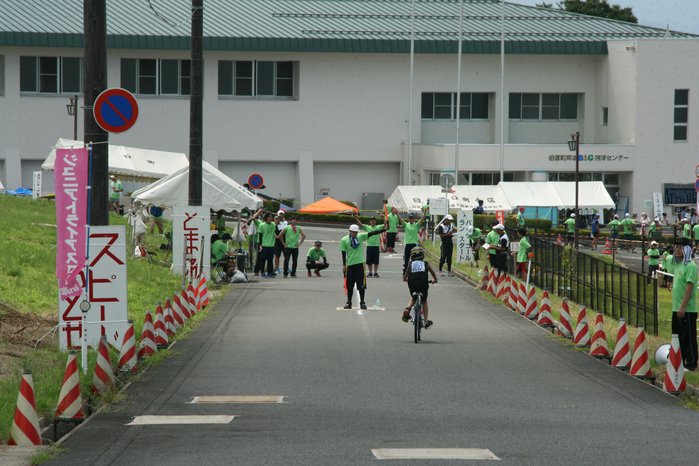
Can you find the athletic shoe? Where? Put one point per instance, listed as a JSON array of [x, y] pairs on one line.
[[441, 274], [450, 274], [362, 305], [348, 306], [317, 273], [293, 275], [427, 324], [309, 273], [286, 275], [406, 316], [376, 275]]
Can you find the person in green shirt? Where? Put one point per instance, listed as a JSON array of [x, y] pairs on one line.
[[653, 260], [372, 247], [353, 262], [289, 237], [474, 239], [614, 226], [668, 267], [695, 232], [316, 259], [411, 228], [686, 229], [393, 219], [115, 190], [525, 248], [520, 219], [219, 253], [684, 303], [268, 230], [491, 240], [570, 229], [653, 228], [629, 226]]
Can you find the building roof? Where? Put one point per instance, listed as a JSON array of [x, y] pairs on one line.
[[366, 26]]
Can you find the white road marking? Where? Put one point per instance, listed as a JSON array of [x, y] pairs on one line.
[[162, 420], [237, 399], [433, 454]]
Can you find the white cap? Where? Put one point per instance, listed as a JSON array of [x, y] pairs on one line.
[[626, 214], [280, 212], [656, 219], [572, 215], [643, 213], [616, 215], [469, 229], [499, 226], [686, 219], [653, 243], [448, 217], [354, 228]]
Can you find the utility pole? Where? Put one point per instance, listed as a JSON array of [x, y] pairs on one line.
[[95, 79], [196, 106]]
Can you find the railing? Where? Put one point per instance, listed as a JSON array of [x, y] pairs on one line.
[[605, 287]]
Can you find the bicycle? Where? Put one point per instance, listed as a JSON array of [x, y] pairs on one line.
[[417, 316]]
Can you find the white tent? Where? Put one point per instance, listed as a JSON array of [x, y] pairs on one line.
[[413, 198], [591, 195], [131, 162], [218, 191]]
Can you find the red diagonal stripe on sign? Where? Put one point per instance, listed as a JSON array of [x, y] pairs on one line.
[[116, 110]]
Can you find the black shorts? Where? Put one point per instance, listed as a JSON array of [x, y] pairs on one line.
[[278, 247], [424, 291], [372, 255]]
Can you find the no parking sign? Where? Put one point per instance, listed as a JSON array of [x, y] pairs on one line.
[[115, 110]]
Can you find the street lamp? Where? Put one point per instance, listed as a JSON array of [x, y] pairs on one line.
[[72, 109], [574, 146]]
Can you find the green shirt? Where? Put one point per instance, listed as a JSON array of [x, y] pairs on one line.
[[651, 228], [411, 230], [268, 232], [524, 248], [315, 254], [392, 223], [218, 250], [354, 255], [614, 225], [116, 189], [492, 239], [686, 230], [684, 275], [653, 256], [627, 223], [696, 231], [291, 237], [668, 264], [520, 220], [372, 240], [476, 234], [570, 225]]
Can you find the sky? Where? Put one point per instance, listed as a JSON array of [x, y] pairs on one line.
[[681, 15]]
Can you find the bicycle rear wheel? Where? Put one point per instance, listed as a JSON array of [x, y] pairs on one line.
[[417, 320]]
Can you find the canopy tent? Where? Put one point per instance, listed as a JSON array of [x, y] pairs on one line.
[[218, 191], [413, 198], [327, 205], [130, 161]]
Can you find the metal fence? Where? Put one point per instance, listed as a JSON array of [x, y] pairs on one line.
[[605, 287]]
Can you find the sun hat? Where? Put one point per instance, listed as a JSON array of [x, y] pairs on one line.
[[448, 217], [354, 228], [499, 226]]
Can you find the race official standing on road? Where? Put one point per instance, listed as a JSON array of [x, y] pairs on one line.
[[289, 237], [392, 232], [372, 246], [446, 232], [412, 228], [684, 303], [353, 262]]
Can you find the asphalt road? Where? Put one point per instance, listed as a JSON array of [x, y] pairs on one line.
[[354, 381]]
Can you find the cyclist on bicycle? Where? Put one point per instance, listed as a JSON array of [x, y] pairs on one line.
[[416, 274]]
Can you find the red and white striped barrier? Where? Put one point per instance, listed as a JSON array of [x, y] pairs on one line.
[[170, 326], [505, 297], [522, 297], [564, 326], [501, 286], [184, 304], [640, 364], [70, 401], [170, 308], [532, 304], [674, 381], [582, 332], [25, 424], [203, 292], [161, 339], [599, 348], [147, 345], [622, 353], [491, 282], [192, 299], [514, 293], [128, 362], [484, 279], [103, 377], [545, 317], [177, 312]]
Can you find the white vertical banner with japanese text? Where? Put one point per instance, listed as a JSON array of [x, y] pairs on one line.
[[36, 184], [191, 233], [464, 253], [658, 206], [106, 292]]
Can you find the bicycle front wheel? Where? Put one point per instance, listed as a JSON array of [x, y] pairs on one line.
[[417, 320]]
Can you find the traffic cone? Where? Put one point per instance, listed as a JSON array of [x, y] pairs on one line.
[[103, 377], [491, 282], [70, 401], [514, 294], [184, 304], [25, 425], [192, 299], [622, 354], [522, 297], [559, 240], [674, 381], [582, 332], [607, 247], [161, 339], [640, 364], [147, 345], [500, 286], [484, 279], [169, 310], [128, 362], [599, 348], [177, 313], [532, 304], [504, 295], [564, 327], [170, 327], [203, 291], [545, 318]]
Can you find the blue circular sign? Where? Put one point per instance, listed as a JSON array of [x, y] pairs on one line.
[[115, 110], [255, 181]]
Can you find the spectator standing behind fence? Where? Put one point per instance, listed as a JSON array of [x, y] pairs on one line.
[[521, 222], [570, 229], [502, 248], [522, 255], [653, 259], [594, 230], [614, 229], [667, 266], [491, 239], [684, 303], [629, 226]]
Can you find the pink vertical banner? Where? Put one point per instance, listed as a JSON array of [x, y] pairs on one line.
[[70, 172]]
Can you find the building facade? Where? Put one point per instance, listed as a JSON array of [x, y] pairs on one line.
[[316, 96]]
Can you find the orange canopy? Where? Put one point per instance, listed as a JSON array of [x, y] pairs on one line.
[[327, 205]]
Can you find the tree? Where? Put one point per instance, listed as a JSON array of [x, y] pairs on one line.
[[600, 8]]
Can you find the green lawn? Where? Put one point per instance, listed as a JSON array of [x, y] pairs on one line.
[[28, 284]]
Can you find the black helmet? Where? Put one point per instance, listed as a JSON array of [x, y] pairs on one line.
[[417, 254]]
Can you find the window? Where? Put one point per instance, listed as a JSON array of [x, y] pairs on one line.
[[50, 75], [605, 116], [150, 76], [264, 79], [545, 106], [490, 179], [681, 114], [442, 106]]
